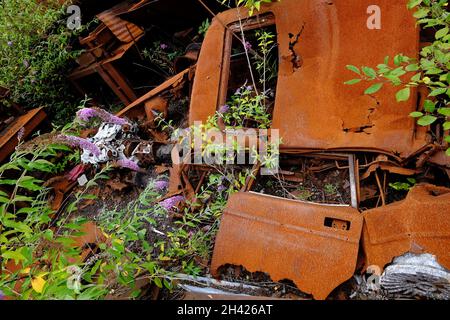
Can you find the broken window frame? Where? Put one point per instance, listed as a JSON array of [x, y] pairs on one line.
[[264, 20], [353, 169]]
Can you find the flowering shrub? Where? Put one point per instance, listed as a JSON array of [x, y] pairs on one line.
[[170, 203], [161, 185], [251, 5], [130, 164], [245, 109], [86, 114], [80, 143], [162, 55], [35, 55]]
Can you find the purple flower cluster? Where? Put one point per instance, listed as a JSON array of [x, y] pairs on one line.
[[127, 163], [20, 133], [164, 46], [169, 203], [86, 114], [26, 64], [79, 142], [247, 45], [161, 185], [221, 188], [2, 295], [242, 90], [10, 43], [224, 109]]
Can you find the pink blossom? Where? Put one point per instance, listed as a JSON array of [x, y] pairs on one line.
[[169, 203], [127, 163], [224, 109], [161, 185], [21, 133], [79, 142], [86, 114]]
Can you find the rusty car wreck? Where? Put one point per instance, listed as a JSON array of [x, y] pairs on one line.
[[332, 136], [316, 245]]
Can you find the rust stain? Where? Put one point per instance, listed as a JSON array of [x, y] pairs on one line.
[[420, 222], [313, 245]]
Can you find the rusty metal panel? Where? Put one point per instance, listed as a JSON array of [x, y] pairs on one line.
[[289, 240], [418, 224], [314, 109], [124, 31], [8, 137], [135, 109]]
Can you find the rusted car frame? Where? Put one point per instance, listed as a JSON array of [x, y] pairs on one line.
[[314, 109]]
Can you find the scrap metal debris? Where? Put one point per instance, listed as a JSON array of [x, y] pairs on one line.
[[15, 123], [313, 245], [420, 223], [333, 210]]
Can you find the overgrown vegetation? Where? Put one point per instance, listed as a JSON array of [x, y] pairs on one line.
[[131, 245], [36, 54], [431, 70], [251, 5], [149, 239]]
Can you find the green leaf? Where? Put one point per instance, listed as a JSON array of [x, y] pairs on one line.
[[30, 183], [9, 166], [444, 111], [158, 282], [398, 59], [369, 72], [48, 234], [421, 13], [353, 81], [446, 125], [353, 68], [416, 114], [374, 88], [42, 165], [437, 92], [8, 181], [448, 152], [433, 71], [412, 67], [429, 106], [17, 226], [413, 3], [403, 95], [441, 33], [426, 120], [15, 255]]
